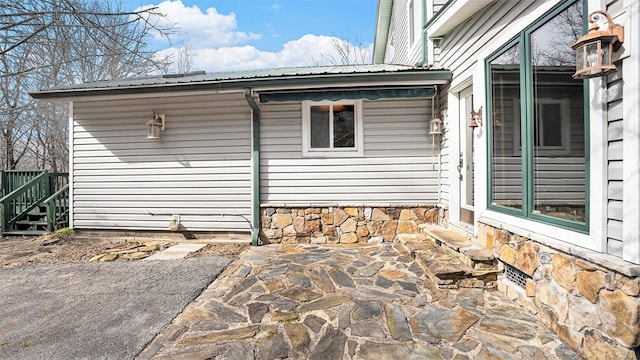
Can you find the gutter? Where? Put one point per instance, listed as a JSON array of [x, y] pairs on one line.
[[255, 166], [308, 81]]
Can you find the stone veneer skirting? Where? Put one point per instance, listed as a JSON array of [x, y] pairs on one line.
[[594, 309], [342, 225]]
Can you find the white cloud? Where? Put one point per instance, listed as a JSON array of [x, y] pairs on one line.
[[215, 43], [203, 29], [307, 51]]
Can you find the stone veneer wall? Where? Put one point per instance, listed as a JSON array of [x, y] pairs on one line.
[[342, 225], [593, 309]]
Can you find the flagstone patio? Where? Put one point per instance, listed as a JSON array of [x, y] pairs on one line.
[[348, 302]]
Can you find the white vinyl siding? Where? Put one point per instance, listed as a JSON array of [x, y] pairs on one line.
[[438, 5], [615, 168], [397, 167], [399, 49], [445, 149], [457, 49], [200, 169]]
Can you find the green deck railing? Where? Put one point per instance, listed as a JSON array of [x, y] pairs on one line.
[[58, 209], [25, 190], [14, 179], [22, 200]]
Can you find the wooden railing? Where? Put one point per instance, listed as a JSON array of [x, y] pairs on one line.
[[14, 179], [24, 199], [58, 209], [25, 190]]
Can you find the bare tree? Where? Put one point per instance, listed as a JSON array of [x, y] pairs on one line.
[[45, 43], [182, 61], [345, 52]]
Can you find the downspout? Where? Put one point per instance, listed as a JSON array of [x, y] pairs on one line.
[[422, 33], [255, 164]]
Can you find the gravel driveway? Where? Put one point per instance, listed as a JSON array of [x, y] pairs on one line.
[[95, 310]]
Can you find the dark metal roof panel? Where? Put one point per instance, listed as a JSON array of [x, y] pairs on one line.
[[230, 79]]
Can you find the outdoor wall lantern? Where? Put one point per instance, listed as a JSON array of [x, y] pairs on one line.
[[476, 118], [435, 126], [594, 51], [155, 126]]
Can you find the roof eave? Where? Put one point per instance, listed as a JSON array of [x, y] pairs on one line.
[[381, 36], [417, 77], [454, 13]]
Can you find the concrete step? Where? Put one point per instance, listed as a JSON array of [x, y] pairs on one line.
[[452, 260]]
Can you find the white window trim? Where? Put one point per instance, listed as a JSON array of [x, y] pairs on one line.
[[414, 23], [307, 151]]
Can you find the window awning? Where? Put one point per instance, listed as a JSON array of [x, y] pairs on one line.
[[334, 95]]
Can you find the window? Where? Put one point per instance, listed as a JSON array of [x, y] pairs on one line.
[[332, 128], [552, 128], [415, 23], [538, 163]]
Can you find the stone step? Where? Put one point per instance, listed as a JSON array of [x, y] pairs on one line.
[[475, 256], [450, 268]]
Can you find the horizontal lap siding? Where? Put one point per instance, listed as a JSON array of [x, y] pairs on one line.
[[398, 50], [615, 165], [474, 34], [445, 148], [200, 169], [558, 180], [397, 166]]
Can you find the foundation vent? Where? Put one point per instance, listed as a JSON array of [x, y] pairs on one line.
[[516, 276]]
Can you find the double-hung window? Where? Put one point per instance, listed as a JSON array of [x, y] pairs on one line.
[[538, 146], [332, 128]]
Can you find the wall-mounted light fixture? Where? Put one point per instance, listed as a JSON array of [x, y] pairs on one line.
[[476, 118], [594, 51], [435, 126], [155, 126]]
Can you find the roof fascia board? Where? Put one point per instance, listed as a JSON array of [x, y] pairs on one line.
[[431, 77], [381, 36]]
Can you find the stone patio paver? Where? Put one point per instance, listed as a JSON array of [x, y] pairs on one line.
[[371, 302], [177, 251]]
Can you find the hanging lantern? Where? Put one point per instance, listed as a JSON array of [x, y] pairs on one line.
[[435, 126], [155, 126], [476, 118], [594, 51]]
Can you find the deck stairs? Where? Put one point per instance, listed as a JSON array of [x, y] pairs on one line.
[[33, 202], [451, 258]]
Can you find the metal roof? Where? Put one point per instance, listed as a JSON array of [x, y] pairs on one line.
[[315, 76]]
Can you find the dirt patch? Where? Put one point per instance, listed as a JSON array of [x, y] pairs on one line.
[[24, 251], [220, 249]]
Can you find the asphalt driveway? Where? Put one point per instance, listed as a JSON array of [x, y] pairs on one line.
[[95, 310]]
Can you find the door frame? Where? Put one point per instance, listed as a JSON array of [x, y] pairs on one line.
[[455, 100]]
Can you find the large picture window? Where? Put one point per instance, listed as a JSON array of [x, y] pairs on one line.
[[332, 128], [538, 157]]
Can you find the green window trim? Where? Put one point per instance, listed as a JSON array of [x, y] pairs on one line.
[[523, 42]]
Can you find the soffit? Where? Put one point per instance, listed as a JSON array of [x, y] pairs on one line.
[[453, 14]]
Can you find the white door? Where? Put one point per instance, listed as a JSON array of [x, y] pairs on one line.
[[465, 157]]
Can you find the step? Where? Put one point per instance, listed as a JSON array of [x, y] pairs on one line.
[[30, 222], [450, 268], [475, 256], [23, 233]]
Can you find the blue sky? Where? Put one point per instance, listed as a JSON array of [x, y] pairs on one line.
[[225, 35]]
